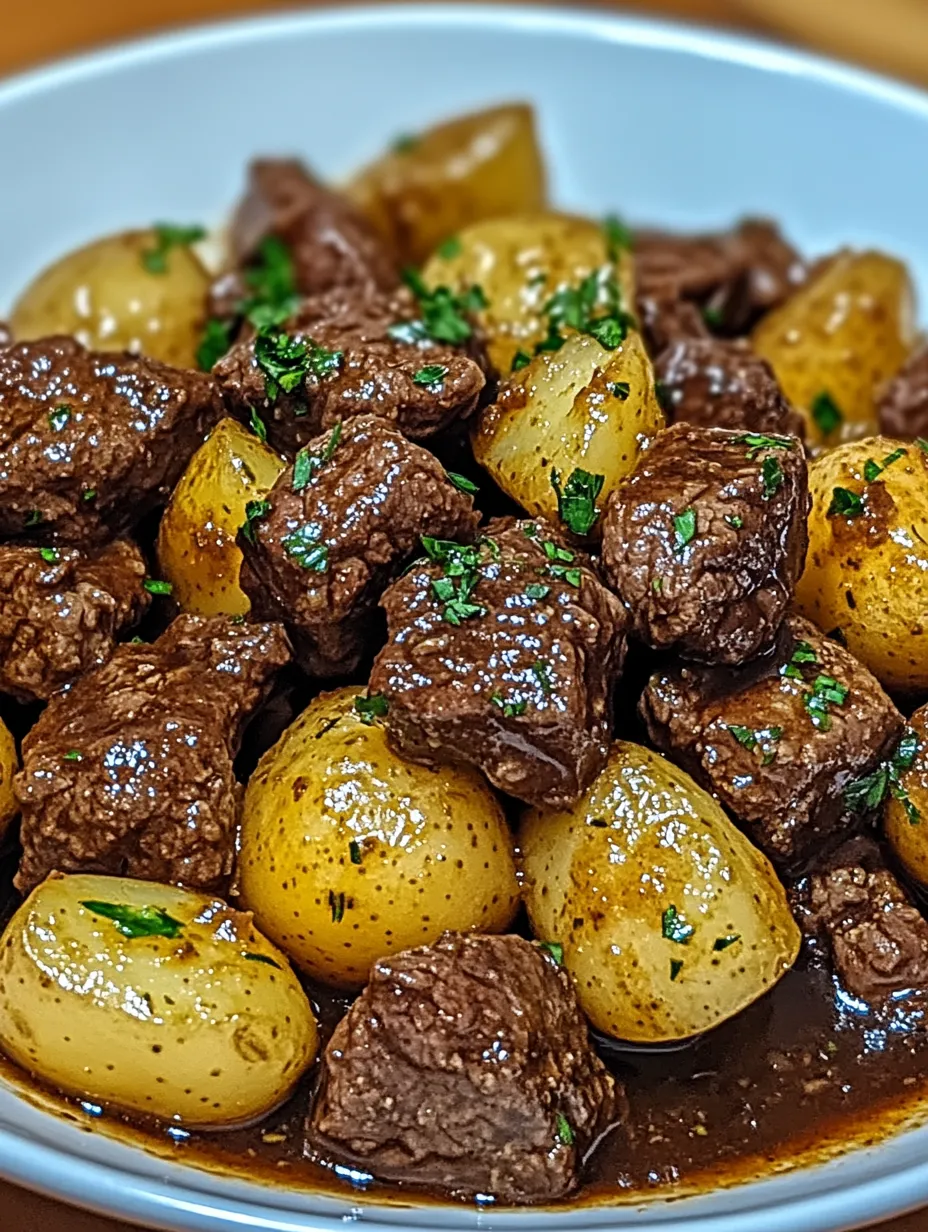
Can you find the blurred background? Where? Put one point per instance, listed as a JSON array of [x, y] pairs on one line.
[[891, 35]]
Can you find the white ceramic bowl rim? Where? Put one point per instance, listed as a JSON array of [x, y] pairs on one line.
[[130, 1184]]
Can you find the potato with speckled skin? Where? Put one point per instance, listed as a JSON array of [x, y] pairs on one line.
[[9, 764], [104, 296], [178, 1008], [197, 552], [426, 188], [582, 406], [866, 569], [844, 333], [521, 263], [905, 814], [670, 920], [350, 853]]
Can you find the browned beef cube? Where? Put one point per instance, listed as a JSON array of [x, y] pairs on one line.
[[61, 611], [354, 362], [778, 741], [903, 403], [330, 241], [465, 1066], [721, 383], [706, 540], [90, 441], [504, 655], [878, 937], [339, 526], [130, 771]]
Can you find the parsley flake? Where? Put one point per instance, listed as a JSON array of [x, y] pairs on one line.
[[167, 236], [271, 279], [722, 943], [542, 673], [73, 755], [684, 525], [431, 377], [618, 236], [137, 921], [772, 475], [520, 360], [675, 928], [873, 470], [676, 966], [734, 520], [156, 587], [826, 413], [306, 464], [214, 343], [511, 710], [462, 483], [258, 426], [59, 418], [303, 546], [845, 503], [576, 502], [51, 556], [450, 248], [537, 590], [354, 851], [757, 442], [255, 510], [262, 958], [555, 949], [565, 1133], [444, 314], [621, 390], [374, 706], [337, 906]]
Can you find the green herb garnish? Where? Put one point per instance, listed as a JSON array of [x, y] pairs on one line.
[[565, 1133], [404, 143], [734, 520], [675, 928], [168, 236], [676, 966], [537, 590], [621, 390], [576, 502], [826, 413], [58, 418], [722, 943], [137, 921], [431, 377], [772, 475], [306, 464], [618, 236], [873, 470], [214, 343], [511, 710], [263, 958], [684, 525], [542, 673], [73, 755], [337, 906], [271, 279], [33, 518], [462, 483], [374, 706], [757, 442], [460, 564], [444, 314], [520, 360], [303, 546], [354, 851], [845, 503], [555, 949], [868, 793], [51, 556], [255, 510], [156, 587], [450, 248]]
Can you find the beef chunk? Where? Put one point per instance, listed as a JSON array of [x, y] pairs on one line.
[[721, 383], [360, 369], [903, 403], [778, 741], [130, 771], [89, 441], [61, 611], [330, 241], [321, 557], [705, 541], [465, 1066], [734, 277], [504, 655], [878, 938]]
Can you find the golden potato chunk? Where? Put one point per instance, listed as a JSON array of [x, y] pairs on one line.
[[429, 186], [837, 339], [126, 292], [197, 552], [905, 815], [9, 764]]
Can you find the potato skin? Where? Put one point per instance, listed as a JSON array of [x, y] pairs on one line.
[[485, 165], [350, 853], [104, 296], [562, 412], [598, 879], [868, 575], [9, 764], [197, 552], [520, 263], [909, 838], [187, 1028], [845, 332]]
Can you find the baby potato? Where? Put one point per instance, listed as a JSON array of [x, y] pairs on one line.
[[670, 921], [153, 998], [521, 263], [837, 339], [349, 853], [582, 406], [866, 569], [9, 764], [197, 552], [905, 814], [426, 188], [116, 294]]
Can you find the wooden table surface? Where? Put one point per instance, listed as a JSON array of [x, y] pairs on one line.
[[42, 29]]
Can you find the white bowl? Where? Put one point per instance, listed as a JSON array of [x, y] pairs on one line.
[[664, 123]]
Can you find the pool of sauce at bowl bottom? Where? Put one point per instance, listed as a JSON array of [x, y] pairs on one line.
[[799, 1075]]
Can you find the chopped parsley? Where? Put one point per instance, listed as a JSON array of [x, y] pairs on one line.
[[734, 520], [594, 307], [756, 442], [520, 360], [873, 470], [713, 316], [772, 474], [255, 510], [33, 518], [262, 958], [258, 426], [137, 921], [511, 710], [51, 556], [460, 564], [576, 502], [306, 464], [537, 590], [749, 738], [450, 248], [431, 377], [59, 418], [621, 390], [868, 793], [462, 483], [922, 444], [675, 928], [618, 236], [89, 494], [684, 526], [404, 143], [215, 341], [676, 966], [657, 585], [542, 673], [354, 851], [573, 577], [444, 314], [845, 503], [555, 949], [73, 755], [303, 546], [560, 560], [722, 943], [271, 279], [156, 587], [167, 236], [826, 692], [565, 1133], [337, 906], [826, 413], [374, 706], [286, 362]]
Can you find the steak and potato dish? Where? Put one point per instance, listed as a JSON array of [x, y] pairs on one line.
[[464, 688]]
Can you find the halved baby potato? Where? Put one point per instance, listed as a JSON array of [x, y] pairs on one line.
[[430, 185], [124, 292], [669, 920], [197, 552], [152, 998], [349, 853], [905, 815]]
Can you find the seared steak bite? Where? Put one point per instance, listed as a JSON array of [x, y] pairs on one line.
[[903, 403], [130, 771], [706, 539], [780, 740], [878, 937], [91, 441], [504, 655], [721, 383], [337, 528], [465, 1066], [61, 612], [350, 353], [330, 241]]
